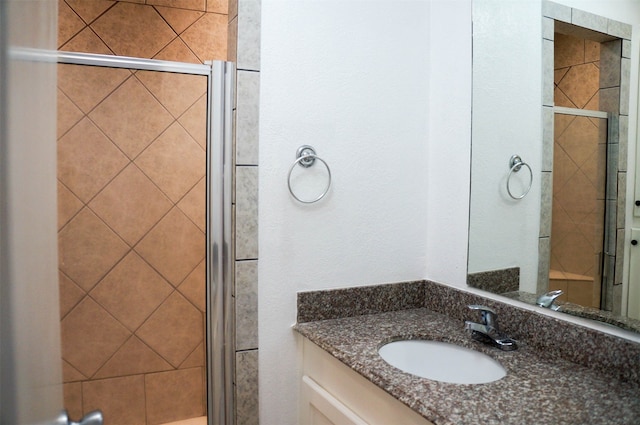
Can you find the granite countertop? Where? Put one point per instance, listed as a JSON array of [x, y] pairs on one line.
[[538, 389], [577, 310]]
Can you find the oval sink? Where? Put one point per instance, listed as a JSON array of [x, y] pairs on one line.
[[441, 361]]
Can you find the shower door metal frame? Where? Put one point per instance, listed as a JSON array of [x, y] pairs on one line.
[[220, 326]]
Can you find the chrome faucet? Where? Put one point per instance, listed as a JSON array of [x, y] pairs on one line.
[[487, 331], [548, 300]]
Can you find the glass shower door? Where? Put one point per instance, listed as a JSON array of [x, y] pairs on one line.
[[132, 184]]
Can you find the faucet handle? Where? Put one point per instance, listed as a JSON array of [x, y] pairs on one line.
[[489, 316]]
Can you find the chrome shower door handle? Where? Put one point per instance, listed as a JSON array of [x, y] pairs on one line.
[[91, 418]]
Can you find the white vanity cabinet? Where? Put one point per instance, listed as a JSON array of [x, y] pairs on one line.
[[333, 394]]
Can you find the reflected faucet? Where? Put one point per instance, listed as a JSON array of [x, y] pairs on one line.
[[548, 300], [487, 331]]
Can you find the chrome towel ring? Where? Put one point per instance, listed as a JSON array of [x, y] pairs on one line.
[[306, 157], [515, 164]]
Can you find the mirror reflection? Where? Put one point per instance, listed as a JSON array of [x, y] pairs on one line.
[[560, 244]]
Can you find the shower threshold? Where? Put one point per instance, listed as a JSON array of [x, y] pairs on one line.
[[202, 420]]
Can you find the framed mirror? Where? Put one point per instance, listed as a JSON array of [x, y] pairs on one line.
[[549, 166]]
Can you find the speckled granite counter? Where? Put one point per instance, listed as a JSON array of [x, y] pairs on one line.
[[577, 310], [540, 388]]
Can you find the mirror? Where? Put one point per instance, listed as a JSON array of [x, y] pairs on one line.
[[548, 161]]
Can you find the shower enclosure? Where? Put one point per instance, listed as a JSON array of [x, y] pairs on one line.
[[583, 235], [144, 220]]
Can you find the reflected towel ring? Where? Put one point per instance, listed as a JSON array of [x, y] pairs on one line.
[[516, 163], [306, 157]]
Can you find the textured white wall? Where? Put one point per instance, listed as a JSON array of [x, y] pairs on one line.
[[507, 120], [351, 79], [382, 89], [449, 141]]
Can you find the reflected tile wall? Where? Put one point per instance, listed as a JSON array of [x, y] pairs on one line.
[[612, 96], [578, 159]]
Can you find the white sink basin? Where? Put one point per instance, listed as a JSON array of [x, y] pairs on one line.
[[441, 361]]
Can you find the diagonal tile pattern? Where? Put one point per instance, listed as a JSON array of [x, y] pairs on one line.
[[134, 357], [134, 127], [579, 171], [207, 37], [89, 10], [131, 204], [70, 294], [132, 188], [174, 247], [579, 140], [179, 18], [91, 335], [70, 373], [68, 205], [173, 154], [193, 287], [87, 160], [146, 35], [69, 23], [108, 206], [181, 30], [193, 204], [174, 330], [88, 249], [177, 51], [191, 120], [131, 291], [86, 41], [88, 87], [68, 113], [177, 92], [580, 83]]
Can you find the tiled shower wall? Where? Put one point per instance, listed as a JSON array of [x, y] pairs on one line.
[[244, 49], [576, 72], [145, 135], [579, 157], [131, 243], [613, 97], [180, 30]]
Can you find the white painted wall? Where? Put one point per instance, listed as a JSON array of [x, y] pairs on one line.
[[506, 117], [507, 120], [351, 79], [382, 90], [449, 141]]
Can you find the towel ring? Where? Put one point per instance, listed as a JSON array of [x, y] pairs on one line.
[[516, 163], [306, 157]]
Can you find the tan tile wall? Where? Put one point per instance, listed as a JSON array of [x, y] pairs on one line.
[[579, 170], [181, 30], [576, 72], [131, 153]]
